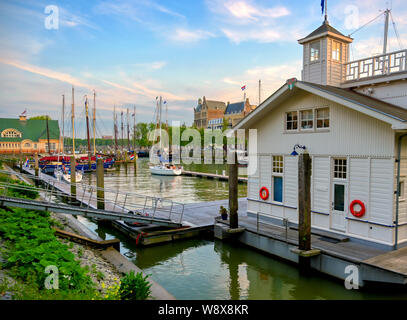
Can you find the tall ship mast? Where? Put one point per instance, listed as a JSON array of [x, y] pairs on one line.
[[87, 130], [94, 122], [73, 122]]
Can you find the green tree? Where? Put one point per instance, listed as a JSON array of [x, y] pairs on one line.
[[41, 118]]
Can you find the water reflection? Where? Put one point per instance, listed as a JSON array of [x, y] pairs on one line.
[[181, 188]]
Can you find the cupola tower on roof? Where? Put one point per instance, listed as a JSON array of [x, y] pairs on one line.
[[325, 50]]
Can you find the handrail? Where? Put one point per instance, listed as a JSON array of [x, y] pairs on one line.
[[375, 66], [130, 203]]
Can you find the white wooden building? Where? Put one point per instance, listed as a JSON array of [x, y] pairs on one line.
[[350, 116]]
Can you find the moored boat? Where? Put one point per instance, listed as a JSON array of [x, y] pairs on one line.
[[166, 170]]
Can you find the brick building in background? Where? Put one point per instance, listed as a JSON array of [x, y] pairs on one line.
[[28, 136]]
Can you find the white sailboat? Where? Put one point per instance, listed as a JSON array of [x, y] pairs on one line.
[[164, 169]]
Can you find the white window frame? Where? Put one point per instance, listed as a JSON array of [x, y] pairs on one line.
[[342, 166], [338, 51], [313, 120], [316, 118], [286, 121], [311, 56]]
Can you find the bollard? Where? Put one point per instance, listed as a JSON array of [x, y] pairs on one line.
[[100, 183], [73, 178]]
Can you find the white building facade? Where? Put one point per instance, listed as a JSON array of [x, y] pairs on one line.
[[351, 126]]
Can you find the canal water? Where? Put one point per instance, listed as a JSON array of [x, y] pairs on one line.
[[206, 269]]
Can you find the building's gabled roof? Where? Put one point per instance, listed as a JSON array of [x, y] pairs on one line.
[[237, 107], [212, 104], [30, 129], [387, 112]]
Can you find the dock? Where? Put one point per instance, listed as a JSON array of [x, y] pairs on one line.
[[211, 176], [335, 253], [187, 220]]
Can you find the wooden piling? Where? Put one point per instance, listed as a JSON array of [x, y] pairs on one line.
[[233, 188], [36, 167], [100, 183], [73, 177], [304, 207]]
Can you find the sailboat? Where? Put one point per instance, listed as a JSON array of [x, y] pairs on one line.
[[67, 173], [164, 168]]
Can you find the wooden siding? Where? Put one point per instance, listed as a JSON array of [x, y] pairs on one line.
[[350, 133], [291, 181]]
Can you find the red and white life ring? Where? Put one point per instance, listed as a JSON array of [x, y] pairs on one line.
[[361, 212], [264, 193]]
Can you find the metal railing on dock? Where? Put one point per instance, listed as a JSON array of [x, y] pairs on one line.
[[154, 210]]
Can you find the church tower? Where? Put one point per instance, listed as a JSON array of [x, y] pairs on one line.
[[325, 50]]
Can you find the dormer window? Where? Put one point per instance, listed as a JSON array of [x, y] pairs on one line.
[[336, 50], [11, 133], [315, 48]]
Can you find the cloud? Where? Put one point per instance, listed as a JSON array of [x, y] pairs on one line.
[[184, 35], [63, 77], [249, 11], [134, 10], [246, 20], [271, 76], [140, 89], [263, 36], [155, 65]]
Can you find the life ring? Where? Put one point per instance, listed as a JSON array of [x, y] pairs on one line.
[[359, 213], [264, 193]]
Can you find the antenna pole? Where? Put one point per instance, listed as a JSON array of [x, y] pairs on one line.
[[386, 30], [259, 92]]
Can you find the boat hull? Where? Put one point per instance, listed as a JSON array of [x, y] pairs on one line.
[[165, 171]]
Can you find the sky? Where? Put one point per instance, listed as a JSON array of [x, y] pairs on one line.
[[132, 51]]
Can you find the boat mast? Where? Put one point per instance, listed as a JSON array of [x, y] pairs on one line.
[[115, 129], [134, 129], [63, 124], [73, 123], [49, 146], [128, 131], [94, 122], [122, 136], [87, 128]]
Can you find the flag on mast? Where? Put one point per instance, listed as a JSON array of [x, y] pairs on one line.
[[243, 88], [322, 6]]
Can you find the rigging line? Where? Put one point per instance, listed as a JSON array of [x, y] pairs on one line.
[[396, 31], [382, 13]]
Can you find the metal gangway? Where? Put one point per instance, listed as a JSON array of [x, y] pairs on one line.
[[55, 196]]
